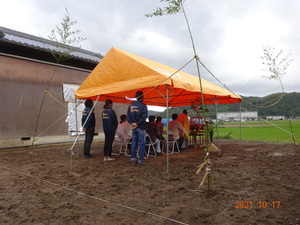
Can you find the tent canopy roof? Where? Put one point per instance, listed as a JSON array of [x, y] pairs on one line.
[[120, 74]]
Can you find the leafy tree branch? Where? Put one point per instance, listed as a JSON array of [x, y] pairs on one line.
[[65, 36], [174, 7], [276, 64]]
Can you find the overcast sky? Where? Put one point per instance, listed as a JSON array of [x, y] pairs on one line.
[[229, 34]]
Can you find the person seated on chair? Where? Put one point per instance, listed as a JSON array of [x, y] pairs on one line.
[[152, 130], [160, 127], [177, 129], [124, 128]]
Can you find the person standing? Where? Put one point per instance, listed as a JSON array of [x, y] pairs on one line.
[[184, 120], [88, 122], [137, 114], [110, 124]]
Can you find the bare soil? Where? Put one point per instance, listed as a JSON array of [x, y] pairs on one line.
[[254, 183]]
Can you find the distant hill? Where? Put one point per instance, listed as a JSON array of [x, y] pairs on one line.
[[277, 104]]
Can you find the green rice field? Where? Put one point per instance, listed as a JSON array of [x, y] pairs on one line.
[[273, 131]]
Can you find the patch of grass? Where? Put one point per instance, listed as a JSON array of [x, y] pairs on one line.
[[226, 136], [277, 132]]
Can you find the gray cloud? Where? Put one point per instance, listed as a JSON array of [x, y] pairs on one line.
[[229, 35]]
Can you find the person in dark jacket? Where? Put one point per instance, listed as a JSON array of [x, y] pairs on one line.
[[88, 122], [137, 114], [110, 124], [152, 130]]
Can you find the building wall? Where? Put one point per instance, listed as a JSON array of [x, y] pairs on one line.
[[236, 116], [23, 84], [275, 117]]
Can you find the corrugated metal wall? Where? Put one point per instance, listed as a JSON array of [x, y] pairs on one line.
[[23, 84]]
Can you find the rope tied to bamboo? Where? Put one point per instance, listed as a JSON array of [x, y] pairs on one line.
[[208, 173]]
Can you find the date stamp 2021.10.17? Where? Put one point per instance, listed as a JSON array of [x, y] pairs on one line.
[[257, 204]]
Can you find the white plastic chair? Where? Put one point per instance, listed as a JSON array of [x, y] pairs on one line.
[[149, 145], [172, 143], [122, 146]]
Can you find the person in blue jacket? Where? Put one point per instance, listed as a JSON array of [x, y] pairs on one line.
[[110, 124], [137, 114], [88, 122]]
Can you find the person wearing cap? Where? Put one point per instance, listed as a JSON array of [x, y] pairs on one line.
[[137, 114], [110, 124]]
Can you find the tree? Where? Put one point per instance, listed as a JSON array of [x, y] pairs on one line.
[[64, 37], [173, 7], [276, 64]]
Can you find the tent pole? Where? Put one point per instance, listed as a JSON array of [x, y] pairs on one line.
[[217, 129], [77, 137], [167, 138], [76, 121], [240, 122]]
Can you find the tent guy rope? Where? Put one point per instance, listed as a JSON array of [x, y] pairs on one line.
[[93, 197], [78, 134]]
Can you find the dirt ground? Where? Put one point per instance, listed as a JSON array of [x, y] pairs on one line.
[[255, 183]]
